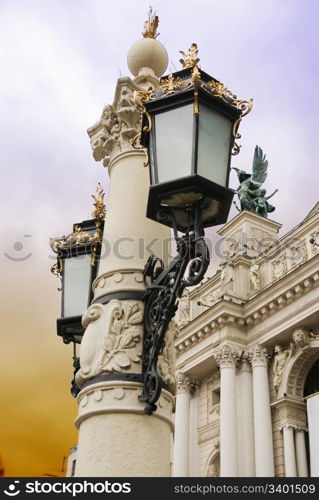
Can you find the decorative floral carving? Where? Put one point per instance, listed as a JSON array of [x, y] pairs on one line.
[[218, 89], [124, 334], [170, 85], [92, 314], [112, 340]]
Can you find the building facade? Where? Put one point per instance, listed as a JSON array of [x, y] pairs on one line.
[[247, 354]]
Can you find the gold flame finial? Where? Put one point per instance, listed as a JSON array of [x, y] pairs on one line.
[[151, 25], [99, 210], [191, 59]]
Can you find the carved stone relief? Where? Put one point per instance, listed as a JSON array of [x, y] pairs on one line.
[[227, 356], [211, 298], [254, 276], [281, 357], [301, 337], [297, 254], [227, 277], [112, 339], [182, 382], [279, 267], [315, 245], [183, 315], [213, 470]]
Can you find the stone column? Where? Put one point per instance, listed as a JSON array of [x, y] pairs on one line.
[[193, 429], [245, 416], [226, 358], [289, 450], [301, 455], [116, 438], [264, 453], [181, 436]]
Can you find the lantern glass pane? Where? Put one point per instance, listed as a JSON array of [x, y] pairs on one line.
[[213, 145], [174, 142], [76, 285]]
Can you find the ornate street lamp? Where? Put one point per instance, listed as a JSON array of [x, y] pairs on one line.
[[77, 263], [190, 127]]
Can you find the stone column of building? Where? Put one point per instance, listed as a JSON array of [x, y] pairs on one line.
[[116, 437], [226, 359], [193, 429], [289, 450], [264, 453], [301, 454], [181, 436], [245, 418]]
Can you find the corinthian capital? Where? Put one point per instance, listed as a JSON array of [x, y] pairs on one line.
[[227, 356], [183, 383], [259, 356], [245, 363], [119, 124]]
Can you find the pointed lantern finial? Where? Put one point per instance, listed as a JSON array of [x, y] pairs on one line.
[[191, 59], [99, 210], [151, 25]]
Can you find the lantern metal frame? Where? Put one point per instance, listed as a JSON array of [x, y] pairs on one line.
[[164, 286], [84, 240]]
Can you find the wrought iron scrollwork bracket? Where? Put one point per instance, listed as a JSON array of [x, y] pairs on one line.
[[164, 286], [76, 366]]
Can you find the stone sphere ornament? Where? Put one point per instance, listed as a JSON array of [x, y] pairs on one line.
[[147, 56]]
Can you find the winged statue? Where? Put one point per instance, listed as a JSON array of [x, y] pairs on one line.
[[252, 198]]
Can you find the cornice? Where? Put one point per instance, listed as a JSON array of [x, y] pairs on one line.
[[263, 305]]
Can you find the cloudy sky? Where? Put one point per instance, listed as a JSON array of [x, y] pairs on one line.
[[59, 63]]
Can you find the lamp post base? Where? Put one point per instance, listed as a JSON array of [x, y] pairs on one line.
[[116, 438]]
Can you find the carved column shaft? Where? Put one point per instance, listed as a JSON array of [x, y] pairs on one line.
[[226, 358], [181, 435], [289, 451], [245, 418], [264, 453]]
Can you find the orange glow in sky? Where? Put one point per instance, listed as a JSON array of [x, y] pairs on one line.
[[37, 410]]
